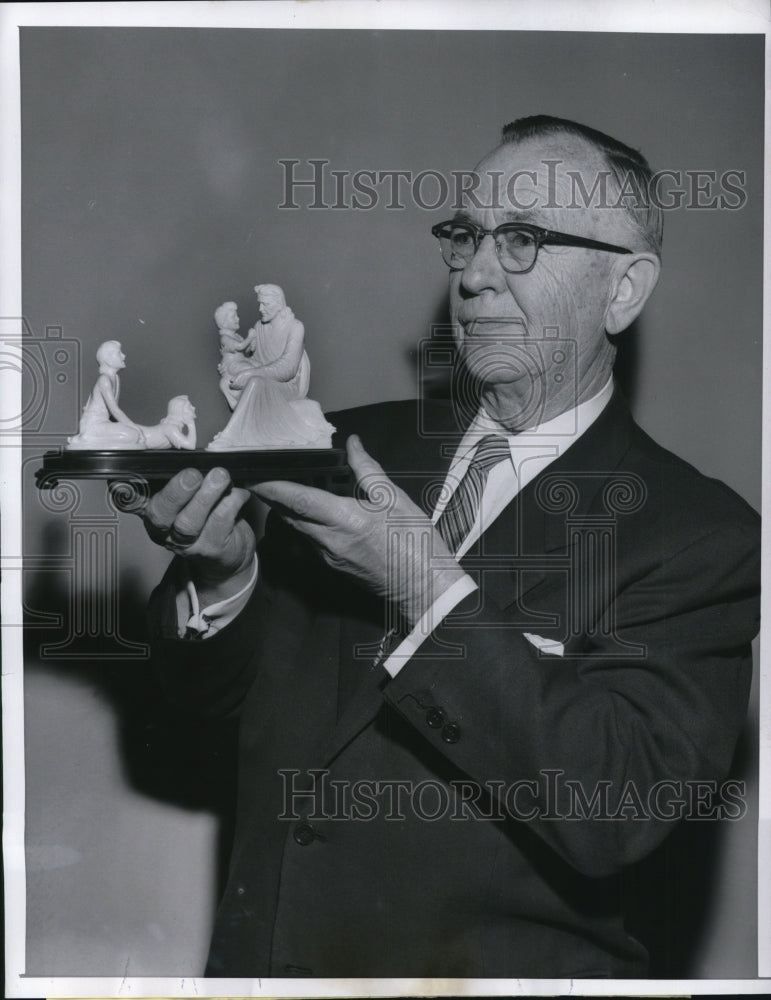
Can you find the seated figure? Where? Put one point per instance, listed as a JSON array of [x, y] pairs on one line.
[[270, 382], [103, 425]]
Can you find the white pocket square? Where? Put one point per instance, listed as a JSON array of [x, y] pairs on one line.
[[547, 646]]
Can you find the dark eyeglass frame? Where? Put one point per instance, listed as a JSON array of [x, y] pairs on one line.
[[541, 237]]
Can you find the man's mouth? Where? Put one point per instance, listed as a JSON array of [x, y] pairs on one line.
[[475, 322]]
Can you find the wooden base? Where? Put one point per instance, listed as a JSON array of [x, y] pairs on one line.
[[325, 468]]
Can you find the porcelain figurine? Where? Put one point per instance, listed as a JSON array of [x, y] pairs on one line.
[[232, 345], [176, 429], [269, 381], [103, 425]]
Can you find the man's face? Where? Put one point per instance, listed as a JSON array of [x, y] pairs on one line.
[[502, 322], [269, 307]]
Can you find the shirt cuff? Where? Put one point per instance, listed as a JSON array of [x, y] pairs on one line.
[[435, 615], [194, 622]]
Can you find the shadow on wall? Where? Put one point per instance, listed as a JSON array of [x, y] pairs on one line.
[[671, 897], [626, 368], [163, 755]]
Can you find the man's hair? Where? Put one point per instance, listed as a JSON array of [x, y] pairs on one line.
[[628, 168]]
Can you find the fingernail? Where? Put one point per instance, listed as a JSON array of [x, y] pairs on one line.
[[219, 476], [190, 478], [355, 440]]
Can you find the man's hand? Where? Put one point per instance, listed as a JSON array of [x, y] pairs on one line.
[[198, 518], [392, 548]]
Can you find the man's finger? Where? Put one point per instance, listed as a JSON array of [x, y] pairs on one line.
[[374, 486], [360, 461], [304, 502], [224, 515], [163, 508], [192, 518]]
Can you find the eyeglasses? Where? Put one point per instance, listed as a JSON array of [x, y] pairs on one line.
[[516, 243]]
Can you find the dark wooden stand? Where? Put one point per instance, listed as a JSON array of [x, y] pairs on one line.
[[325, 468]]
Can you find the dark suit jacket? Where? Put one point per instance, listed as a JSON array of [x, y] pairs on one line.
[[489, 795]]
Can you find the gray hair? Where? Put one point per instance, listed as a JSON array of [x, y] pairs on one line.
[[627, 166]]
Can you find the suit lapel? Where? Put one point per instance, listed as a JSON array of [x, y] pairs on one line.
[[531, 538]]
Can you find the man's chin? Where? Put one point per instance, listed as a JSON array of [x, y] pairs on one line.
[[507, 360], [510, 377]]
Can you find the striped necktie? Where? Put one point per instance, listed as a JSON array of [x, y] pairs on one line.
[[457, 518]]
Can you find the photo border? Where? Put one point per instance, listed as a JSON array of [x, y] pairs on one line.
[[559, 15]]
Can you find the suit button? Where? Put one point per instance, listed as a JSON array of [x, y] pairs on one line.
[[304, 834], [434, 717], [451, 732]]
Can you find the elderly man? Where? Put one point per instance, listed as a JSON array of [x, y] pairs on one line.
[[472, 695]]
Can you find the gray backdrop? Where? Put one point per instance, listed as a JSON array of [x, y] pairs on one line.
[[151, 187]]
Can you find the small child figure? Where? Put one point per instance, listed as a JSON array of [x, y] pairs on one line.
[[232, 347], [176, 429]]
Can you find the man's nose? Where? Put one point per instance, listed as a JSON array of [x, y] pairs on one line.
[[484, 270]]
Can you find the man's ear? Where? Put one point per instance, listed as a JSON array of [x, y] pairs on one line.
[[632, 284]]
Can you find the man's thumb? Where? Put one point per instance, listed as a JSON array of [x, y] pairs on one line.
[[372, 484]]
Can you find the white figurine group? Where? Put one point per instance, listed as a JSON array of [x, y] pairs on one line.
[[263, 376], [104, 425]]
